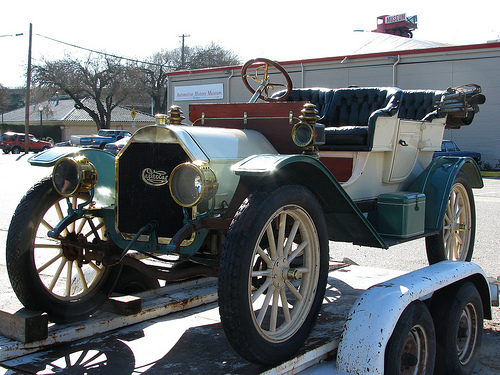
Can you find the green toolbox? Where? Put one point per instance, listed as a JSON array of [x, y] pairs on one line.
[[400, 214]]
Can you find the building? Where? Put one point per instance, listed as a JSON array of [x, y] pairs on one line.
[[375, 60], [59, 119]]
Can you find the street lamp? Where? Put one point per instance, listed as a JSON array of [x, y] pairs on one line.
[[40, 108]]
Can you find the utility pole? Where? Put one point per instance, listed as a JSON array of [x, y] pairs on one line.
[[183, 36], [28, 86]]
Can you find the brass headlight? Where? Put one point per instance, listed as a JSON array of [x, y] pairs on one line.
[[192, 183], [73, 175], [303, 134]]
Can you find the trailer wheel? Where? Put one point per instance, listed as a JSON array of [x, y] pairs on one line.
[[455, 241], [273, 273], [47, 275], [459, 329], [412, 346]]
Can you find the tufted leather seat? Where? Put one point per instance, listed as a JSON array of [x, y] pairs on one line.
[[419, 105], [349, 114]]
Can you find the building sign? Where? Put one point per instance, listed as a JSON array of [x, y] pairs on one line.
[[396, 18], [199, 92]]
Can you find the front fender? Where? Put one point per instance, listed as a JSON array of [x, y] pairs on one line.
[[436, 182], [103, 162], [346, 223]]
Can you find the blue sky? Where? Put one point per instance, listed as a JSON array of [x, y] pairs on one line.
[[279, 30]]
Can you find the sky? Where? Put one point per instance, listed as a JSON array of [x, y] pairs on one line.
[[278, 30]]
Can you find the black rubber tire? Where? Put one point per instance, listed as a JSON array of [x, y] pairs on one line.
[[257, 341], [414, 328], [5, 151], [24, 272], [451, 309], [435, 245], [16, 150], [133, 281]]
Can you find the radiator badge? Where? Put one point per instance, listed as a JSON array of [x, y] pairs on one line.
[[154, 178]]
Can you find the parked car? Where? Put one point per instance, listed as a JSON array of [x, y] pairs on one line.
[[115, 147], [99, 140], [250, 193], [450, 148], [14, 142]]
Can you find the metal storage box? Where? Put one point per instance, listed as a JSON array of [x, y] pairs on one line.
[[400, 214]]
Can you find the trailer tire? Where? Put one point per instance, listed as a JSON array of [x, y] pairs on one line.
[[412, 346], [458, 317], [455, 240], [258, 276]]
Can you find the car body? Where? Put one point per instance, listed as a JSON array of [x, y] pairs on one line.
[[450, 148], [14, 142], [250, 193], [99, 140], [115, 147]]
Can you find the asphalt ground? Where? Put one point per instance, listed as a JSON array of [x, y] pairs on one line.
[[18, 176]]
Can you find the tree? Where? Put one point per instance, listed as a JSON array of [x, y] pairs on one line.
[[210, 56], [151, 74], [100, 77], [151, 79], [4, 99]]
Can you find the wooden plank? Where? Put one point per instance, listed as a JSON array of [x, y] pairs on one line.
[[123, 305], [24, 325]]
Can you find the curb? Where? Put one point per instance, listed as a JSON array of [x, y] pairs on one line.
[[490, 173]]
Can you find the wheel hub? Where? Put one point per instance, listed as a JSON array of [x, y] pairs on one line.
[[280, 272]]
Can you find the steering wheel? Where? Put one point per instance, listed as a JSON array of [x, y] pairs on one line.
[[265, 85]]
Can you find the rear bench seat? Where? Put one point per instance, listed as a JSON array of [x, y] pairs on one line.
[[349, 114]]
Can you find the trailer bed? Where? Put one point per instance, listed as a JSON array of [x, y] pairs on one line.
[[178, 330]]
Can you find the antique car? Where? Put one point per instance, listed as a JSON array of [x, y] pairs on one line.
[[251, 193]]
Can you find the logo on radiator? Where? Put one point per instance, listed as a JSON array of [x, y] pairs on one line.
[[154, 178]]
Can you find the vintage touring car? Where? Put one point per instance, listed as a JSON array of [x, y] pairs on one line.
[[251, 193]]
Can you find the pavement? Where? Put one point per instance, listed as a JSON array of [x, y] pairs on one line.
[[19, 176]]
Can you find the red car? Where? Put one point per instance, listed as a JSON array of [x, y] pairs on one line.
[[15, 142]]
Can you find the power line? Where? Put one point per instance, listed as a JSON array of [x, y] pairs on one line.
[[104, 53]]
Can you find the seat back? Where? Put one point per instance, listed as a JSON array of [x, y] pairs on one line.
[[419, 105]]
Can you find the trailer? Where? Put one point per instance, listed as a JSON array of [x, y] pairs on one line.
[[368, 317]]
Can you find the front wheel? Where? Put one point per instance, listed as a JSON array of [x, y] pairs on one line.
[[273, 273], [47, 274], [455, 241]]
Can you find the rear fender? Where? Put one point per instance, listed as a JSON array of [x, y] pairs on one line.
[[436, 182], [346, 223], [103, 162]]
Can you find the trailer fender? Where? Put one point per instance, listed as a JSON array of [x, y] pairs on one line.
[[436, 182], [372, 319], [104, 162], [345, 221]]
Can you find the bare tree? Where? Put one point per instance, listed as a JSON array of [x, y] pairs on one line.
[[4, 99], [102, 78], [151, 75]]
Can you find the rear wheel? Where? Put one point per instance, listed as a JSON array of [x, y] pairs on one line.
[[273, 273], [455, 241], [411, 350], [47, 275]]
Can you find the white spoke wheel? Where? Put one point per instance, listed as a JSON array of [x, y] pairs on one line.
[[456, 238], [273, 273], [48, 275], [458, 313], [411, 350]]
